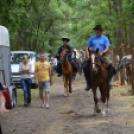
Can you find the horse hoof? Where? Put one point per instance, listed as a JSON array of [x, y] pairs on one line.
[[95, 114], [98, 110], [103, 113], [107, 110], [65, 95]]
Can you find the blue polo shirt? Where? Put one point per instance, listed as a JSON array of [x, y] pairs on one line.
[[98, 42]]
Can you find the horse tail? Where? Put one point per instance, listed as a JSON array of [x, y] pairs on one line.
[[70, 81]]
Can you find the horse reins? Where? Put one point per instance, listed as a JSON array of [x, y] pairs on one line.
[[64, 61]]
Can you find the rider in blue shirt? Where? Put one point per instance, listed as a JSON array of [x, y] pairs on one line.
[[101, 42], [98, 42]]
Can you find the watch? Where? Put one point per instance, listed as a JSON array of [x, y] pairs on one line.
[[2, 105]]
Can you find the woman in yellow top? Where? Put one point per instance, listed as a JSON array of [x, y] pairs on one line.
[[43, 78]]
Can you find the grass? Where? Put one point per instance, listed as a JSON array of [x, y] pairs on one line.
[[34, 92], [20, 96]]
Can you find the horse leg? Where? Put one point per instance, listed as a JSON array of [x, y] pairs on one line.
[[103, 99], [96, 108], [65, 86], [70, 81], [100, 93], [108, 91]]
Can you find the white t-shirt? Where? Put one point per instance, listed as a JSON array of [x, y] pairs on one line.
[[25, 75]]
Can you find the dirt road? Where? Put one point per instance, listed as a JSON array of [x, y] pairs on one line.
[[69, 115]]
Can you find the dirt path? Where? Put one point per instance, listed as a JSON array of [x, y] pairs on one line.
[[71, 115]]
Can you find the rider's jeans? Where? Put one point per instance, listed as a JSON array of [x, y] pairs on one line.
[[72, 60], [58, 67], [26, 85]]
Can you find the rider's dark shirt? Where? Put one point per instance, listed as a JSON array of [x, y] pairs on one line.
[[68, 47]]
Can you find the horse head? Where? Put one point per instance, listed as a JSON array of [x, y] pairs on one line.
[[95, 60], [64, 57]]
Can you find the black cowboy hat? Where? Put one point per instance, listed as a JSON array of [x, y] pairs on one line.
[[66, 39], [98, 27]]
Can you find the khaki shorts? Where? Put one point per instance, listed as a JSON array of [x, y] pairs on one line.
[[44, 85], [106, 60]]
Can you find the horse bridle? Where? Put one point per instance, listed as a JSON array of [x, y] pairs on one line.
[[98, 64], [66, 59]]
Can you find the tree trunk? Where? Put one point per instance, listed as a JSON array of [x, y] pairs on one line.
[[133, 70], [122, 71], [128, 69], [17, 41], [24, 40], [124, 35], [123, 29], [131, 34], [50, 43]]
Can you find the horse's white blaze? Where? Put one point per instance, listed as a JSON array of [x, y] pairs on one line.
[[93, 60]]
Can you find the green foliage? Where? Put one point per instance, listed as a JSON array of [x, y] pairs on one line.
[[42, 23]]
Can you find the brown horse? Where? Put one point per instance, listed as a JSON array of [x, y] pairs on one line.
[[67, 72], [99, 78]]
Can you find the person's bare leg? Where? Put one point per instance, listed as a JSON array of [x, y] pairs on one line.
[[42, 98], [47, 98]]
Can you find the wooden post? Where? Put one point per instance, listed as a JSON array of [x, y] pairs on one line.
[[128, 70], [121, 54], [115, 64], [133, 70]]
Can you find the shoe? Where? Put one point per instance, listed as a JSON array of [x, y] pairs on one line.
[[47, 106], [74, 74], [65, 95], [29, 102], [87, 88], [59, 75], [43, 105], [26, 103]]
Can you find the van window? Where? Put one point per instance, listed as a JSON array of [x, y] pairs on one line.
[[17, 58]]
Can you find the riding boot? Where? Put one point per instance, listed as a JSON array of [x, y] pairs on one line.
[[0, 130], [29, 101], [59, 75], [86, 71], [74, 73], [59, 68], [111, 71], [26, 103], [74, 69], [88, 84]]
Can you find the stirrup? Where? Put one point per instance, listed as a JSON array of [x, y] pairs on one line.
[[59, 75], [74, 74], [87, 88]]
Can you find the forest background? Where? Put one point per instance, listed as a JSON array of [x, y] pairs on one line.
[[39, 25]]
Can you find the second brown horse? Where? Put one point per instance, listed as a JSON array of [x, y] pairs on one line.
[[67, 72]]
